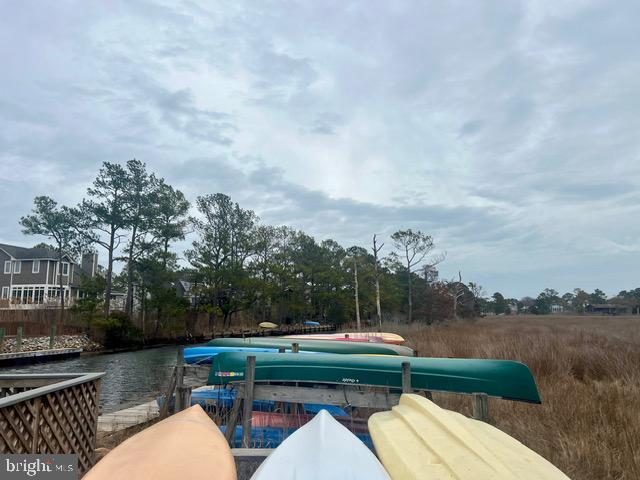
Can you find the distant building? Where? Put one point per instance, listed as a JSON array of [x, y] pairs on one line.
[[30, 277], [557, 308], [183, 289], [607, 309]]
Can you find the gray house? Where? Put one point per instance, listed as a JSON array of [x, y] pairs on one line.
[[30, 277]]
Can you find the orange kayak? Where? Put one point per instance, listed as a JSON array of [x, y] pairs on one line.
[[384, 337], [187, 445]]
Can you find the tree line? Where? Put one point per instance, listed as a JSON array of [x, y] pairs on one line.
[[236, 263]]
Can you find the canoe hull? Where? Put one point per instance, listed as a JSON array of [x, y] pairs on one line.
[[498, 378], [325, 346], [418, 439], [321, 449], [386, 337], [185, 445]]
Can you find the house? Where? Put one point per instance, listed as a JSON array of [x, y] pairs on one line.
[[183, 290], [555, 308], [607, 309], [30, 277]]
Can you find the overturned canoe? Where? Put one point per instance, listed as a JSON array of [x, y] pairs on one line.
[[321, 449], [326, 346], [497, 378], [372, 336], [203, 355], [185, 445], [418, 439]]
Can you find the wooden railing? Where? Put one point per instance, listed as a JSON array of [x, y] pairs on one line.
[[50, 413]]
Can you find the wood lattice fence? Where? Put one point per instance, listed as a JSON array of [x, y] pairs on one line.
[[50, 413]]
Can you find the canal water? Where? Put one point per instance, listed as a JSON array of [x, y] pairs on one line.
[[130, 378]]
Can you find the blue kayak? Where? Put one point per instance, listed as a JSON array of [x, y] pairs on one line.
[[310, 323], [203, 355]]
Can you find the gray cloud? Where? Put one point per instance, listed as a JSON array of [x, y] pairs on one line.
[[505, 129]]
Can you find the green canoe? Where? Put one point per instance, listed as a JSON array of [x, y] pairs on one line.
[[497, 378], [326, 346]]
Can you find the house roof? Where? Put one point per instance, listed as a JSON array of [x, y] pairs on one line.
[[23, 253]]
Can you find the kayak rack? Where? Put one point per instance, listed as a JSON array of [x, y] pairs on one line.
[[352, 396]]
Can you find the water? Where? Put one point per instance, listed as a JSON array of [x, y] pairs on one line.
[[131, 377]]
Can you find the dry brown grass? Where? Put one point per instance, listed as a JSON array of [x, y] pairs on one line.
[[588, 373]]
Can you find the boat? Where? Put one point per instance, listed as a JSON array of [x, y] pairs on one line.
[[311, 323], [203, 355], [325, 346], [332, 338], [418, 439], [321, 449], [185, 445], [386, 337], [267, 325], [289, 420], [497, 378]]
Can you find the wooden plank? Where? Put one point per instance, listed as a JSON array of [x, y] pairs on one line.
[[481, 406], [339, 396], [250, 374], [35, 426]]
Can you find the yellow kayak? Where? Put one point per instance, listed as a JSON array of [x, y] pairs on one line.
[[187, 445], [267, 325], [418, 439]]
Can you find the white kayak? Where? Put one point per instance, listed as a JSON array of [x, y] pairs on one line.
[[321, 449]]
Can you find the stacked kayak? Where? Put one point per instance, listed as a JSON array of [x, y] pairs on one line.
[[418, 439], [267, 325], [203, 355], [321, 449], [326, 346], [185, 445], [498, 378], [363, 336]]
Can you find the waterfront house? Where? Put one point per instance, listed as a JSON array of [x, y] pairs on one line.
[[607, 309], [30, 277]]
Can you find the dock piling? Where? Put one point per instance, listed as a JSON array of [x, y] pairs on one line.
[[481, 407], [406, 377], [19, 339], [250, 373], [52, 336]]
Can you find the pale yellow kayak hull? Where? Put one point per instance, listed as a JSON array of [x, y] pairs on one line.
[[185, 446], [418, 439], [267, 325], [385, 336]]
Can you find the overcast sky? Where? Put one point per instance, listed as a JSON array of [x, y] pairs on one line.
[[507, 130]]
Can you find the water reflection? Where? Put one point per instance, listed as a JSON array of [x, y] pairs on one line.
[[131, 377]]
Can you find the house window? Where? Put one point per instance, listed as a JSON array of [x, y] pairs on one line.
[[17, 266], [35, 268], [7, 266], [65, 268], [5, 292]]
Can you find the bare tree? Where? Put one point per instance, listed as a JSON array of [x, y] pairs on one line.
[[355, 275], [376, 275], [414, 247], [457, 291]]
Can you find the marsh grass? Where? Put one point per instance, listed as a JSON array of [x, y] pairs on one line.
[[588, 373]]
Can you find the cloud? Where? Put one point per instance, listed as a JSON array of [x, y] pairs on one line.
[[507, 130]]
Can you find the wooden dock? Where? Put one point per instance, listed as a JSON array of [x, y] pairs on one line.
[[36, 356], [127, 418]]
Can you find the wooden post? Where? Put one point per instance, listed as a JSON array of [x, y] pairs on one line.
[[295, 347], [19, 339], [406, 377], [281, 349], [481, 407], [249, 378], [180, 379], [52, 335], [1, 337], [169, 394]]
